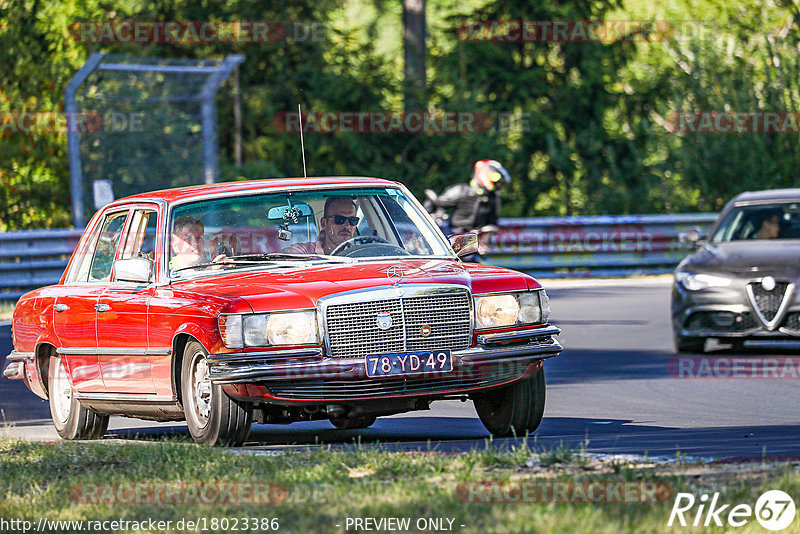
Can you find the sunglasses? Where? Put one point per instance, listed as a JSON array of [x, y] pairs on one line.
[[341, 219]]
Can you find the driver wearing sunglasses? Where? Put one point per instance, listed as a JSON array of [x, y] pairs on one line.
[[338, 224]]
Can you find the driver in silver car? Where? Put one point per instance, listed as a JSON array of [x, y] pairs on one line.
[[338, 224]]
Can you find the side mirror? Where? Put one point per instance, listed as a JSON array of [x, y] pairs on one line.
[[464, 244], [692, 237], [138, 270]]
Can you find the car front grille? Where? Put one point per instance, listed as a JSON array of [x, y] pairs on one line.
[[792, 321], [711, 321], [353, 330], [460, 380], [769, 302]]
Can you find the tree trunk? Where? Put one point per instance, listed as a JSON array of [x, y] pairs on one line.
[[414, 53]]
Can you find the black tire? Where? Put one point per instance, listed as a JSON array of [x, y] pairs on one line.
[[212, 416], [347, 423], [71, 419], [514, 410], [690, 345]]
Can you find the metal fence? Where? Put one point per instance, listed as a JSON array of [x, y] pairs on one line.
[[543, 246], [141, 124]]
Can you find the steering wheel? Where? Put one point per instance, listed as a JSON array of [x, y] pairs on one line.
[[356, 243]]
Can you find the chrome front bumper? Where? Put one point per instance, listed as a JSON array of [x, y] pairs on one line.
[[521, 346]]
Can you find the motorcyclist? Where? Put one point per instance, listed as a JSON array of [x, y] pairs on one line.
[[474, 206]]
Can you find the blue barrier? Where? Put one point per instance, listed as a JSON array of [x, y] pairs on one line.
[[546, 247]]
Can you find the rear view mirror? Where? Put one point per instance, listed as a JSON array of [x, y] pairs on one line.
[[289, 213], [464, 244]]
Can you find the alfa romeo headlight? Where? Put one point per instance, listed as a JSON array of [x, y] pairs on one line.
[[698, 281], [510, 309], [268, 329]]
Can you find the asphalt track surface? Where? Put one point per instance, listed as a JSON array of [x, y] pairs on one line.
[[612, 391]]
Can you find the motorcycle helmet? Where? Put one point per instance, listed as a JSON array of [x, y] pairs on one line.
[[490, 174]]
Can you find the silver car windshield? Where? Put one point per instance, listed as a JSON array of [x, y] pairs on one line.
[[762, 221], [339, 225]]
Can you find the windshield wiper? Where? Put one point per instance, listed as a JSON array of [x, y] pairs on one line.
[[289, 256], [270, 257], [228, 261]]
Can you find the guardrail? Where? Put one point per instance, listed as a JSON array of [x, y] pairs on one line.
[[623, 245], [33, 258], [543, 246]]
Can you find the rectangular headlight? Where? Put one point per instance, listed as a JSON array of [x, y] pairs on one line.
[[511, 309], [230, 329], [269, 329]]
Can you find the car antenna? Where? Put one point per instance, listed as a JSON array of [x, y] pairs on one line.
[[302, 144]]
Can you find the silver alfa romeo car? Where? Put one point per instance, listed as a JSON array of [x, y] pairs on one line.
[[741, 281]]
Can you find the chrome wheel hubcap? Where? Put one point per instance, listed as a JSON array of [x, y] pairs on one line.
[[61, 392], [201, 388]]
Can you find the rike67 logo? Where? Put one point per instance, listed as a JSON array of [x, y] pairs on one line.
[[774, 510]]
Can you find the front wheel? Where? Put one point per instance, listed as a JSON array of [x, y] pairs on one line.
[[71, 419], [212, 416], [514, 410]]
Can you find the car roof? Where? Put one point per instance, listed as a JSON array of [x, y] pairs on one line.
[[779, 195], [182, 193]]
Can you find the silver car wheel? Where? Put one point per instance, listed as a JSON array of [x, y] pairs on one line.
[[200, 388], [61, 392]]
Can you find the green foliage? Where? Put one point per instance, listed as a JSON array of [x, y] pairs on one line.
[[589, 132]]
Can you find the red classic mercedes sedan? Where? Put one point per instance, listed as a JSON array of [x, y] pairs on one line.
[[278, 301]]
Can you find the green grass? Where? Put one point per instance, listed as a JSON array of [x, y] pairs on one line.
[[321, 488]]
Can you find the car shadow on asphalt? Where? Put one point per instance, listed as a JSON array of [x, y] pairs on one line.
[[600, 365], [461, 434]]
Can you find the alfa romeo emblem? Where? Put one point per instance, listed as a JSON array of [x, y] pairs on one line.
[[425, 331], [768, 283], [384, 320], [395, 274]]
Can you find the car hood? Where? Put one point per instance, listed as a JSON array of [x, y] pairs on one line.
[[768, 256], [298, 288]]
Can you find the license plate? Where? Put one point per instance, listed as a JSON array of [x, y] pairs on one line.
[[409, 363]]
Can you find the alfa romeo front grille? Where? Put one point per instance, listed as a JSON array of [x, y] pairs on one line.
[[769, 302], [427, 322]]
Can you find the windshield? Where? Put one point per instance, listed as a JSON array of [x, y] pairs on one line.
[[763, 221], [341, 225]]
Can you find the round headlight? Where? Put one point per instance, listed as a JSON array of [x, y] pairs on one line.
[[294, 328], [496, 310]]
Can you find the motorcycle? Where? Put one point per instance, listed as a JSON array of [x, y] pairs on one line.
[[442, 219]]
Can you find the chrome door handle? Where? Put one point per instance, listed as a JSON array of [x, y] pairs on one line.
[[102, 307], [60, 307]]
